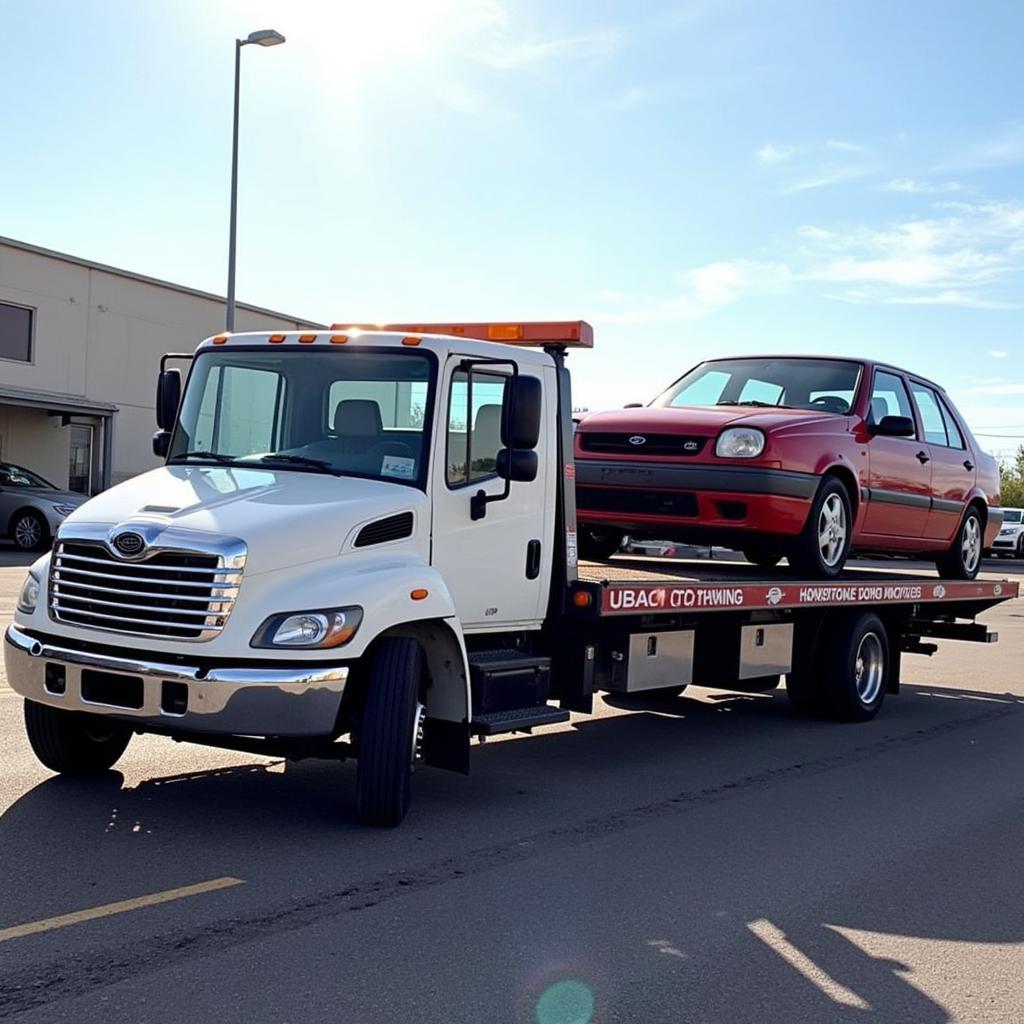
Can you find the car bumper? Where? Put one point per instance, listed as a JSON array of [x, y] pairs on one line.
[[696, 501], [246, 701]]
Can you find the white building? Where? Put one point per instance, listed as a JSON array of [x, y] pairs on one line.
[[80, 347]]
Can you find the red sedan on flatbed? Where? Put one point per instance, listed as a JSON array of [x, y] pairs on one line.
[[806, 458]]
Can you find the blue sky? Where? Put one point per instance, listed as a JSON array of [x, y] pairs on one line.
[[695, 178]]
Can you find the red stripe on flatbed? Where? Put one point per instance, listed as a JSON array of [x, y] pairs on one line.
[[644, 598]]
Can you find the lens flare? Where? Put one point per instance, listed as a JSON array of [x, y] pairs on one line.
[[566, 1002]]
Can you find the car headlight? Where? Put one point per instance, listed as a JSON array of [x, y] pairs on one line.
[[331, 627], [64, 509], [29, 596], [740, 443]]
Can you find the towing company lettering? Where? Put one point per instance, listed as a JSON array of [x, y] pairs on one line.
[[621, 599], [859, 594]]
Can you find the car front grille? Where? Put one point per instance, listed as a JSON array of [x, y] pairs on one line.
[[652, 444], [640, 502], [184, 595]]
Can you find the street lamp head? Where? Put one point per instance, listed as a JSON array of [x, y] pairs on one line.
[[265, 37]]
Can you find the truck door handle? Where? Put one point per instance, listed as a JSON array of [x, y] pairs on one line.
[[968, 465], [923, 457], [533, 559]]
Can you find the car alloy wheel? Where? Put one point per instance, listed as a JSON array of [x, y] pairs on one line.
[[28, 532], [970, 543], [832, 530]]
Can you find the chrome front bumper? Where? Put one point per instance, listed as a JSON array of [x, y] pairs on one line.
[[290, 701]]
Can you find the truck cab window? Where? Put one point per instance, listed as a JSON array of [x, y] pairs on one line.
[[240, 410], [474, 426]]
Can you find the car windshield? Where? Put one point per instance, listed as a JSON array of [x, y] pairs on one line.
[[343, 411], [1012, 515], [824, 385], [18, 476]]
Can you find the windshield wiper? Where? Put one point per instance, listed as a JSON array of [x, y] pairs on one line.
[[228, 460], [756, 404], [321, 465]]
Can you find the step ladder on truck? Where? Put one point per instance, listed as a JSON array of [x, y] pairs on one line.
[[362, 543]]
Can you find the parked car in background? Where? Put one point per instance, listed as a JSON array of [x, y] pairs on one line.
[[1010, 539], [31, 508], [807, 458]]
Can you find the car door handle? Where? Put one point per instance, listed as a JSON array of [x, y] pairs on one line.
[[968, 465], [923, 457]]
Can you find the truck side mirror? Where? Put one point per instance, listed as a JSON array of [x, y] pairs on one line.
[[168, 398], [517, 464], [161, 443], [893, 426], [520, 426]]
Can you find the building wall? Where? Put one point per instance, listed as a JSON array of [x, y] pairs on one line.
[[99, 334]]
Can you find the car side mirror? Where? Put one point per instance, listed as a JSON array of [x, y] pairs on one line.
[[161, 443], [168, 398], [893, 426], [520, 425], [517, 464]]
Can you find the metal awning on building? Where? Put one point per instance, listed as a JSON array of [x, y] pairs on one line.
[[54, 403]]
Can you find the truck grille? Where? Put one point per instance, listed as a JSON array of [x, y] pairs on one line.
[[180, 595], [653, 444], [639, 502]]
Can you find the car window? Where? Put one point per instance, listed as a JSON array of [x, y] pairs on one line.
[[956, 439], [18, 476], [889, 397], [474, 426], [931, 415], [761, 391], [704, 390], [1011, 516]]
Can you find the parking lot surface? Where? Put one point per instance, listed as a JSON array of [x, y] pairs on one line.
[[707, 858]]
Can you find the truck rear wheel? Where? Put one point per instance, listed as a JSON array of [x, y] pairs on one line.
[[855, 665], [73, 742], [389, 734]]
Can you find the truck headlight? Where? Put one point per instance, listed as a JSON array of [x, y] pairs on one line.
[[740, 443], [29, 596], [331, 627]]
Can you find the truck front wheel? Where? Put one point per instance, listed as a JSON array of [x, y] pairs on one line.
[[389, 734], [73, 742]]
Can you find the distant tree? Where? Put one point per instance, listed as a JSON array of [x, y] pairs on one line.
[[1011, 476]]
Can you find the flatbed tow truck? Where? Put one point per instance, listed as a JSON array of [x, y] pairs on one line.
[[363, 544]]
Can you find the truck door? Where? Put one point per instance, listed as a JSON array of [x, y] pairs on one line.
[[496, 567]]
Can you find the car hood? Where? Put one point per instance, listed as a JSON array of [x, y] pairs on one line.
[[51, 494], [701, 420], [286, 518]]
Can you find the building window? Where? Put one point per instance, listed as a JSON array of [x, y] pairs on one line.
[[15, 333]]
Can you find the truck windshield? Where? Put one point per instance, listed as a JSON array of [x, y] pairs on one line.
[[824, 385], [346, 412]]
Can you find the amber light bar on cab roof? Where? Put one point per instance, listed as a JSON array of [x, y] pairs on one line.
[[567, 333]]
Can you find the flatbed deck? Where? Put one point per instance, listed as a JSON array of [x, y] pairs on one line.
[[631, 585]]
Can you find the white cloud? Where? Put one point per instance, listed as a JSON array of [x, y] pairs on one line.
[[771, 153], [827, 178], [998, 353], [845, 147], [1007, 147], [914, 187], [509, 54]]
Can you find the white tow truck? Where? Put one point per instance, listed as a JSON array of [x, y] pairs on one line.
[[362, 544]]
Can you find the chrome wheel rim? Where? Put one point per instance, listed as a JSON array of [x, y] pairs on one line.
[[869, 667], [970, 543], [27, 532], [832, 530], [417, 735]]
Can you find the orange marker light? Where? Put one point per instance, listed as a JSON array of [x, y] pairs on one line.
[[276, 339], [307, 339], [582, 599], [220, 339], [339, 339], [411, 340], [419, 594], [505, 332]]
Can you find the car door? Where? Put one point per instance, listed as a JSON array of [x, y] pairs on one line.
[[496, 567], [899, 468], [953, 468]]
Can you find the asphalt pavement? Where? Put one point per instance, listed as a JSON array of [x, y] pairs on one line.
[[706, 859]]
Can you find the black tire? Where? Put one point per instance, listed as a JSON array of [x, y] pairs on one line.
[[598, 542], [807, 557], [29, 530], [763, 559], [855, 662], [963, 559], [388, 732], [1019, 553], [72, 742]]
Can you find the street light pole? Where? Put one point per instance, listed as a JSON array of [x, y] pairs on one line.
[[265, 37]]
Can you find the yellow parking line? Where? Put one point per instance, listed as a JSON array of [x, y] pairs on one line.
[[153, 899]]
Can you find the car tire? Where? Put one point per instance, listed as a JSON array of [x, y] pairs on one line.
[[73, 742], [821, 550], [1019, 553], [29, 530], [597, 543], [389, 733], [963, 559], [763, 559]]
